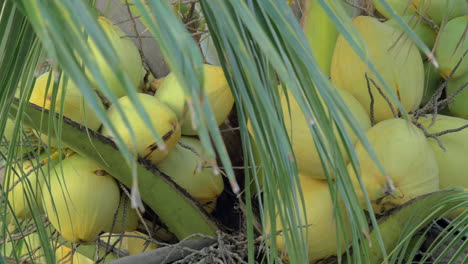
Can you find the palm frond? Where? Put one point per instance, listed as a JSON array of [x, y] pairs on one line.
[[264, 54]]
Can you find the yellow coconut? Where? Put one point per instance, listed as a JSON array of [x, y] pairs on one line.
[[137, 242], [68, 95], [459, 106], [26, 141], [195, 175], [65, 255], [407, 158], [163, 119], [303, 145], [24, 185], [216, 88], [452, 44], [31, 249], [76, 212], [399, 63], [119, 240], [126, 218], [440, 11], [453, 168], [422, 29], [401, 7], [321, 221], [128, 57]]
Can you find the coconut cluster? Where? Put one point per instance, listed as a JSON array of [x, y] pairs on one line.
[[80, 199], [417, 156], [414, 162]]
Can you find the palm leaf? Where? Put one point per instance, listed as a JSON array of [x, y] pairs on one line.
[[261, 43]]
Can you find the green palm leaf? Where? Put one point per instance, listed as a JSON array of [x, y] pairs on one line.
[[262, 45]]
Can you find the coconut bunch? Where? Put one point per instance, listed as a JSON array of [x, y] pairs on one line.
[[62, 190], [418, 156], [82, 201]]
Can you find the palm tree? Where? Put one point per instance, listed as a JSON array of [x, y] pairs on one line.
[[262, 44]]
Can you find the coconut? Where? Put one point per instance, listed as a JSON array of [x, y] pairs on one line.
[[401, 7], [26, 142], [128, 57], [137, 243], [65, 255], [302, 141], [31, 249], [68, 95], [196, 175], [440, 11], [398, 62], [321, 38], [452, 44], [407, 158], [453, 168], [321, 223], [216, 88], [24, 185], [76, 212], [163, 119], [126, 218], [458, 107], [422, 29]]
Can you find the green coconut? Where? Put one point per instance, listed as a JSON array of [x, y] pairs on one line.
[[451, 161], [196, 175], [422, 29], [407, 158], [453, 168], [452, 44], [69, 95], [459, 106], [126, 218], [128, 57], [163, 119], [321, 32], [216, 88], [398, 62], [81, 199], [441, 11], [401, 7]]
